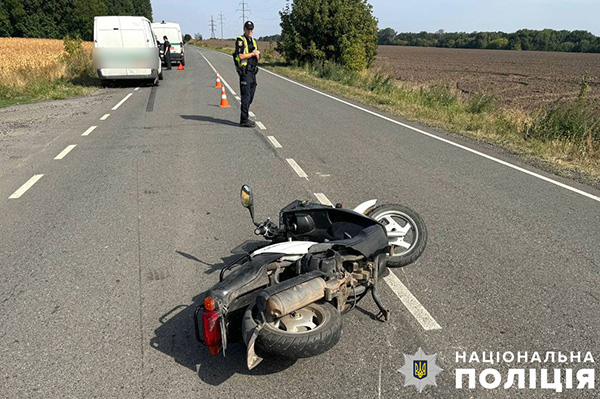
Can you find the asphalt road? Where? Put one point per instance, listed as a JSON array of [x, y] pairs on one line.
[[104, 257]]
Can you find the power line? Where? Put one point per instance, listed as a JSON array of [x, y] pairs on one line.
[[221, 18], [212, 27], [244, 10]]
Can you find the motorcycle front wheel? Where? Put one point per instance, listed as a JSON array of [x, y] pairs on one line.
[[406, 230], [307, 332]]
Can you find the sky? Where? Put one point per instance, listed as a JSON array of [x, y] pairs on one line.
[[401, 15]]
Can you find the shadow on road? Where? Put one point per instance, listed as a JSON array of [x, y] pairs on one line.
[[246, 247], [175, 336], [121, 83], [210, 119]]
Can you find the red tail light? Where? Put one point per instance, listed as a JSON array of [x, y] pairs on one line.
[[211, 327]]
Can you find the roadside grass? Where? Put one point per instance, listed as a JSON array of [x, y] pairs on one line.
[[45, 69], [563, 138]]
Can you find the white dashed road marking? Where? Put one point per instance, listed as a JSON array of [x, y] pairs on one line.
[[274, 141], [25, 187], [323, 199], [104, 117], [122, 101], [64, 152], [408, 299], [260, 125], [136, 89], [297, 168], [238, 98], [91, 129], [251, 114], [228, 87]]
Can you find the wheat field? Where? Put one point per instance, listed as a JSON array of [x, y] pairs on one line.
[[28, 60]]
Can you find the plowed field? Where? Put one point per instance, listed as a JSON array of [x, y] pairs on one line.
[[518, 78]]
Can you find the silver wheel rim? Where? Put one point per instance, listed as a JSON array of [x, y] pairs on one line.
[[304, 320], [402, 231]]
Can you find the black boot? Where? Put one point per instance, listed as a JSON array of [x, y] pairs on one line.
[[247, 123]]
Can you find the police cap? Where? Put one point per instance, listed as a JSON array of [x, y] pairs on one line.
[[249, 25]]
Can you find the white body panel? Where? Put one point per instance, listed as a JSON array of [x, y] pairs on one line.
[[115, 35], [292, 249], [365, 206]]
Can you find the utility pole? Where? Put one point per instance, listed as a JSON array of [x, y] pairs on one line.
[[221, 18], [244, 10], [212, 27]]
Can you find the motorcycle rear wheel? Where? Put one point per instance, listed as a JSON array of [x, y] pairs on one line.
[[407, 233], [307, 332]]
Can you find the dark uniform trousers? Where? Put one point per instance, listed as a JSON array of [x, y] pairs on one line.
[[247, 89], [168, 59]]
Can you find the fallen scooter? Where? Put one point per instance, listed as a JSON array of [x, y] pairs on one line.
[[287, 299]]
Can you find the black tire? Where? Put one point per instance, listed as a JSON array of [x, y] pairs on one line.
[[278, 343], [160, 76], [183, 61], [403, 256]]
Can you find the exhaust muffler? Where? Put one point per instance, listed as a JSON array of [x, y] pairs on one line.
[[296, 297]]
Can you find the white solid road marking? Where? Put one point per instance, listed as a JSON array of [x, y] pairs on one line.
[[90, 129], [323, 199], [297, 168], [222, 78], [121, 102], [408, 299], [260, 125], [104, 117], [274, 141], [251, 114], [64, 152], [489, 157], [25, 187], [412, 304]]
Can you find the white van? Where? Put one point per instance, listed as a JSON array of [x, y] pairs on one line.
[[126, 48], [172, 31]]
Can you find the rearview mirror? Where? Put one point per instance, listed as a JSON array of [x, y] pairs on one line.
[[247, 199]]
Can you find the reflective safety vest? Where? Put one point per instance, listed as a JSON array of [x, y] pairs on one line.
[[239, 62]]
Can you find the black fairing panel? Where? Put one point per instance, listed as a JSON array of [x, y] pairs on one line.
[[370, 242], [243, 279], [337, 227]]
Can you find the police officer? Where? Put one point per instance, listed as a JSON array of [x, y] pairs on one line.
[[167, 52], [246, 58]]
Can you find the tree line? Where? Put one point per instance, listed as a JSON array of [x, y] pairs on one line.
[[59, 18], [270, 38], [525, 39]]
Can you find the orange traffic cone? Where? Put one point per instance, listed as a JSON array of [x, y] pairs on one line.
[[219, 84], [180, 67], [224, 102]]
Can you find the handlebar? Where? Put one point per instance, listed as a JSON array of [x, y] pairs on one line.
[[267, 229]]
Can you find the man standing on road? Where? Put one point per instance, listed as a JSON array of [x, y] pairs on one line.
[[246, 58], [167, 52]]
